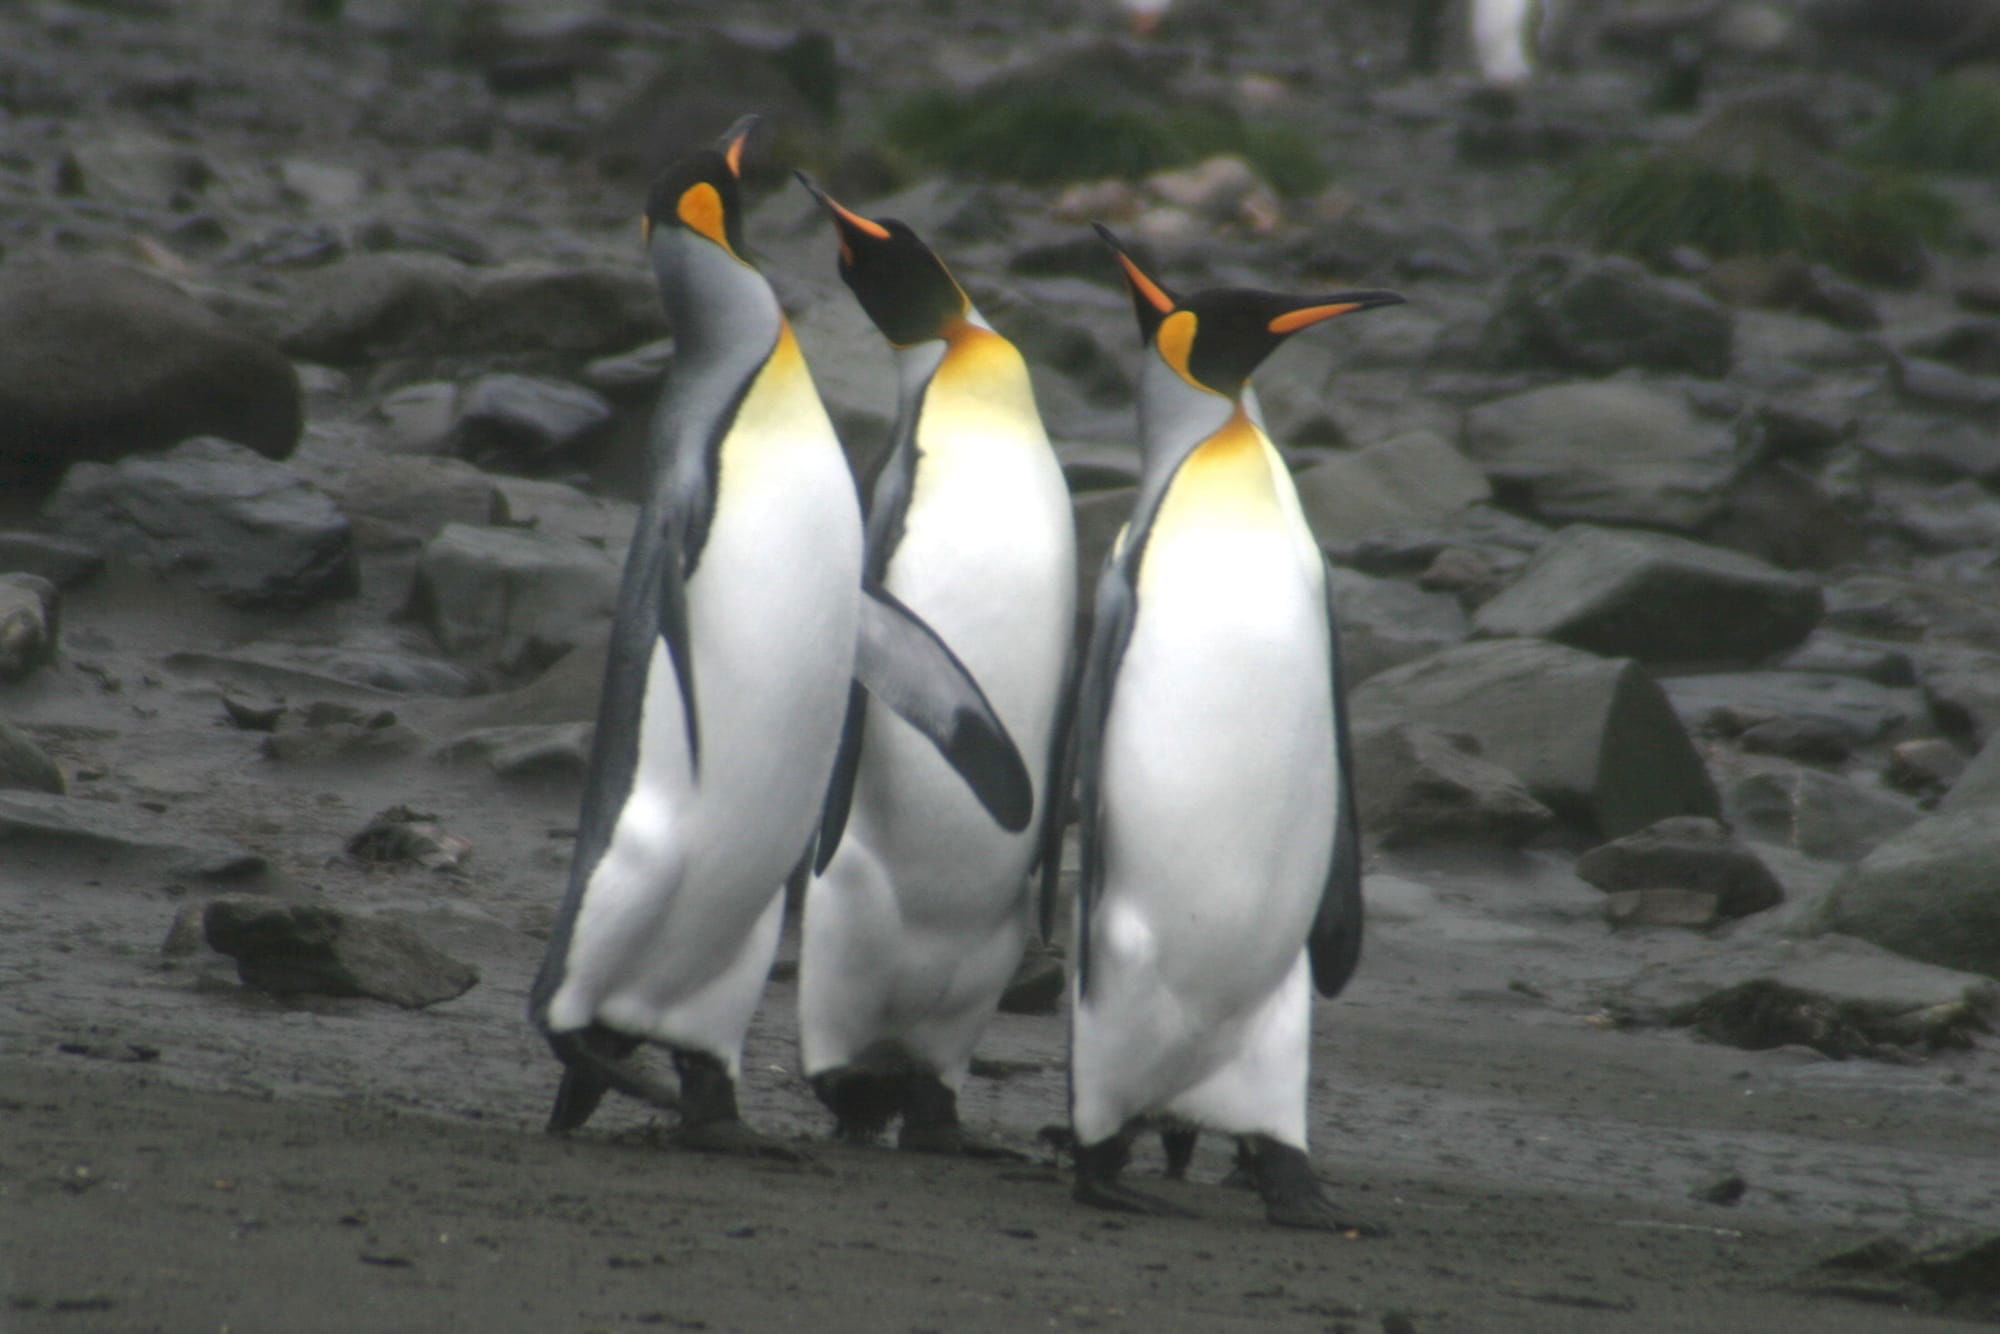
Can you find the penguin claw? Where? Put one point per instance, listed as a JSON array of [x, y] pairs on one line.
[[1292, 1194]]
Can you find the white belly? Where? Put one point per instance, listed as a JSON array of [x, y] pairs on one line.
[[919, 921], [1218, 795]]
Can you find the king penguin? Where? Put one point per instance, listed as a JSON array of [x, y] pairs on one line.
[[732, 648], [919, 911], [1221, 881]]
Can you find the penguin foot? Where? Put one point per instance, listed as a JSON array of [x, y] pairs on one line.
[[710, 1122], [1097, 1184], [863, 1101], [1178, 1142], [1292, 1194], [594, 1063], [931, 1124]]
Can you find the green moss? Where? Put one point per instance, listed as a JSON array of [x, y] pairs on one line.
[[1649, 204], [1949, 124], [1040, 138]]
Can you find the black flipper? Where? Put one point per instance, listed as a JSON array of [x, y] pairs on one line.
[[840, 787], [1117, 605], [1057, 782], [1335, 942], [904, 664]]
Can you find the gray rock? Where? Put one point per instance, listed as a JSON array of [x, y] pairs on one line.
[[134, 168], [1726, 703], [1616, 451], [1831, 653], [253, 532], [329, 732], [1414, 478], [1926, 766], [1593, 738], [1653, 597], [36, 826], [1962, 686], [1419, 786], [1902, 607], [403, 501], [1955, 516], [1691, 908], [633, 375], [526, 422], [525, 750], [1937, 449], [1603, 314], [418, 418], [293, 948], [98, 361], [24, 765], [1931, 893], [1686, 853], [1930, 384], [30, 624], [57, 559], [558, 316], [514, 598], [372, 307], [1385, 622], [1814, 813]]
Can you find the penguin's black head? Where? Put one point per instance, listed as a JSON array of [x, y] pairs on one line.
[[1215, 339], [899, 281], [701, 192]]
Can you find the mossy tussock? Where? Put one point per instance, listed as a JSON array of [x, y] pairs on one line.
[[1950, 124], [1040, 137]]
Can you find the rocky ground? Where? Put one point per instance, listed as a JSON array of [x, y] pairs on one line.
[[1669, 599]]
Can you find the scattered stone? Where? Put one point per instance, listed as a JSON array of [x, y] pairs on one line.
[[1615, 451], [1726, 1190], [293, 948], [253, 532], [556, 316], [1762, 1014], [1933, 449], [1727, 703], [397, 501], [1415, 477], [634, 375], [373, 307], [1962, 686], [1691, 909], [400, 834], [1385, 622], [1419, 786], [98, 361], [1219, 190], [324, 731], [1602, 314], [1831, 653], [1931, 384], [1817, 814], [517, 599], [34, 824], [59, 560], [526, 750], [1685, 853], [25, 766], [1592, 738], [1653, 597], [1926, 765], [419, 418], [522, 422], [1931, 892], [250, 717], [29, 624]]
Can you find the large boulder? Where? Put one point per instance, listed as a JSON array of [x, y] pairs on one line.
[[516, 598], [1685, 853], [1599, 314], [400, 500], [253, 532], [1591, 737], [1613, 451], [1810, 811], [1409, 479], [98, 361], [289, 948], [1653, 597], [1386, 622], [25, 766], [1932, 893], [1418, 786]]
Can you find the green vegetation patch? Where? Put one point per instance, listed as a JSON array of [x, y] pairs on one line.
[[1951, 123], [1041, 137], [1647, 204]]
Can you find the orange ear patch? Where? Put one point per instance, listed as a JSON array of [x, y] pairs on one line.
[[1151, 291], [1294, 320], [733, 154], [1175, 341], [701, 209], [866, 226]]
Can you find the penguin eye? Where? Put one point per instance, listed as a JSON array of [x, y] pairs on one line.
[[701, 209]]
